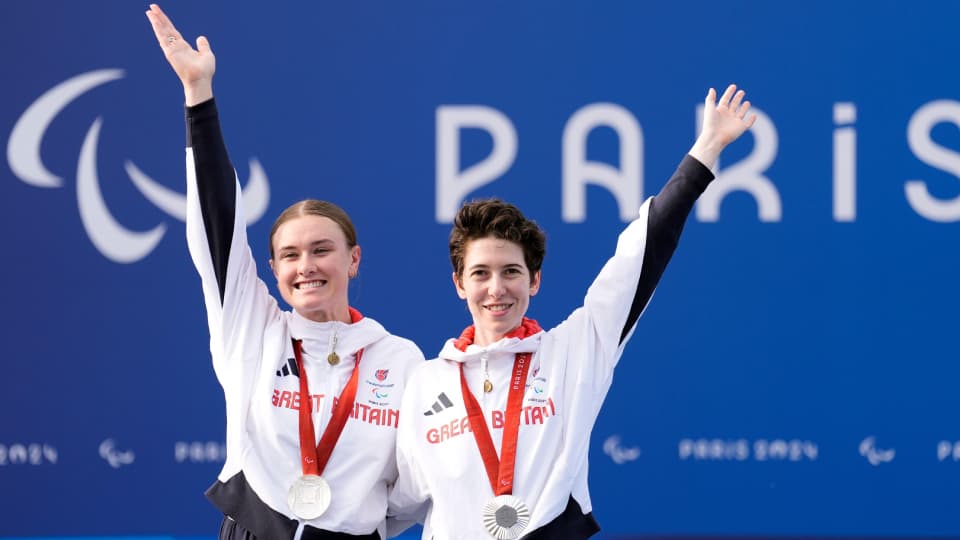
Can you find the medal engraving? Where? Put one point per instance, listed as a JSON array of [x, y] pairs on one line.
[[309, 497], [333, 359], [505, 517], [487, 386]]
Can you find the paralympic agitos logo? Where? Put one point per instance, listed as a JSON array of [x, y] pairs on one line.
[[109, 236]]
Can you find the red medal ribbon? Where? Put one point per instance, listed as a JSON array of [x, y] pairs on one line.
[[499, 471], [314, 460]]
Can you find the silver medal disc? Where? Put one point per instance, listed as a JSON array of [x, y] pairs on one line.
[[309, 497], [505, 517]]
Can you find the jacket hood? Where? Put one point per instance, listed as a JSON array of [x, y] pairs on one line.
[[318, 337], [507, 345]]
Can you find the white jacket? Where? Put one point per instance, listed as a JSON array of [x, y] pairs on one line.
[[250, 340], [570, 374]]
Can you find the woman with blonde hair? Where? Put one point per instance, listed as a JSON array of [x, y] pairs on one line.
[[310, 450]]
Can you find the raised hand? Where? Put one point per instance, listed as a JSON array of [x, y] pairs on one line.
[[195, 67], [723, 122]]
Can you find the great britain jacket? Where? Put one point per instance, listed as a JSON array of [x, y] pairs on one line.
[[251, 345], [570, 373]]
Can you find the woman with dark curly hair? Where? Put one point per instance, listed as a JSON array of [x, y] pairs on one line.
[[494, 434]]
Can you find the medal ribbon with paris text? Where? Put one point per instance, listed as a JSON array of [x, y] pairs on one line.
[[314, 459], [500, 471]]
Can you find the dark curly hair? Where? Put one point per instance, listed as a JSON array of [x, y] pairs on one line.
[[498, 219]]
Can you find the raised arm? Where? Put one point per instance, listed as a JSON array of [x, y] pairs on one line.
[[194, 67], [723, 122], [209, 170], [237, 301]]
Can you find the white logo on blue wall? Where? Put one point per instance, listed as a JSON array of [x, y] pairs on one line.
[[111, 238], [116, 458], [617, 453], [875, 455]]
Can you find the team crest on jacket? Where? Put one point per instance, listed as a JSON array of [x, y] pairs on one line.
[[382, 374]]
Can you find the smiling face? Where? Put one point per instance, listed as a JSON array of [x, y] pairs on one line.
[[496, 285], [313, 264]]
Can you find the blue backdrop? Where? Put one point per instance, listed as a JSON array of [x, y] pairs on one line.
[[793, 376]]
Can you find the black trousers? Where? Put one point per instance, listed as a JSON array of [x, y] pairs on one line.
[[231, 530]]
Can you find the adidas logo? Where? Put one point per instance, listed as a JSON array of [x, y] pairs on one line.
[[443, 402], [290, 367]]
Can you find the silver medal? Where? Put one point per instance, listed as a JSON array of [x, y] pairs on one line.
[[505, 517], [309, 497]]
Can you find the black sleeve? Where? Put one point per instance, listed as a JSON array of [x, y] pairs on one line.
[[667, 214], [216, 183]]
